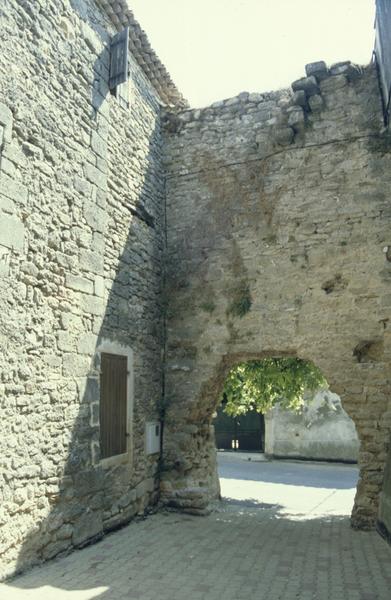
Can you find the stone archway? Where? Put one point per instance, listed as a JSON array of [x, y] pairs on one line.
[[190, 480], [278, 248]]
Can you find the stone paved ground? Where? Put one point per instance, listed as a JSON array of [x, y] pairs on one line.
[[260, 544]]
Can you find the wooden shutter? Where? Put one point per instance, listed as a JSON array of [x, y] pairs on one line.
[[119, 49], [113, 404]]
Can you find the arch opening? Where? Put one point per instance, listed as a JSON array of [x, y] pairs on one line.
[[190, 479], [284, 440]]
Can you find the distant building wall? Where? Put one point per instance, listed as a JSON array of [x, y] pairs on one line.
[[321, 431]]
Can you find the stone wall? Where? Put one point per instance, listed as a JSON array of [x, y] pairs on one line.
[[321, 430], [81, 239], [278, 217]]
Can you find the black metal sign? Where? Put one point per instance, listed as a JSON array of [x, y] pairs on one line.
[[119, 58]]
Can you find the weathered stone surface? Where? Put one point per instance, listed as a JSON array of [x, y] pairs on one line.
[[6, 119], [316, 103], [284, 135], [296, 118], [12, 189], [317, 69], [7, 205], [95, 176], [73, 167], [89, 526], [308, 84], [12, 232], [299, 98], [340, 68], [99, 145], [270, 250], [80, 284], [333, 83], [91, 261], [95, 217], [293, 220]]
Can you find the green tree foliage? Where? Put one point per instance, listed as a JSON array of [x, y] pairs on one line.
[[260, 384]]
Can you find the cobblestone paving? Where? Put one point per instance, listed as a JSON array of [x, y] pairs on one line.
[[245, 550]]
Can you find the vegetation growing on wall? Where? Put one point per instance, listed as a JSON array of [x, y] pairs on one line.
[[260, 384], [241, 300]]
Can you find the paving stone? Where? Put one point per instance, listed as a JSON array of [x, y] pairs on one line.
[[236, 553]]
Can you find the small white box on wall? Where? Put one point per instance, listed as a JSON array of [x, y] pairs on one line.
[[152, 437]]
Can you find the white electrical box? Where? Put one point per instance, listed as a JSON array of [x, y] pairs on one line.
[[152, 437]]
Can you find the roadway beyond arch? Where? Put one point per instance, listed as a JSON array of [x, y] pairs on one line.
[[278, 230]]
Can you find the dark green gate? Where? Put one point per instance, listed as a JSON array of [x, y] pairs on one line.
[[246, 433]]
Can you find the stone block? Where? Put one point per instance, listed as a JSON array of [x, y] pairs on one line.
[[150, 484], [316, 103], [88, 482], [88, 527], [96, 176], [296, 118], [308, 84], [96, 217], [54, 548], [93, 305], [140, 490], [350, 70], [75, 365], [65, 341], [254, 97], [13, 153], [12, 189], [79, 284], [340, 68], [317, 69], [101, 164], [32, 151], [99, 286], [12, 232], [94, 414], [82, 186], [6, 119], [7, 167], [87, 343], [299, 98], [7, 205], [65, 532], [99, 145], [333, 83], [91, 261], [4, 261], [284, 136], [92, 40]]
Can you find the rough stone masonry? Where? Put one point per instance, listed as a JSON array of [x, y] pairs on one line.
[[81, 242], [278, 225], [278, 243]]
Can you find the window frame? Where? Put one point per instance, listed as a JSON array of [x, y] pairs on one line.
[[109, 347]]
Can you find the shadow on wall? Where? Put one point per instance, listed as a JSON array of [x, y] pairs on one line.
[[83, 499]]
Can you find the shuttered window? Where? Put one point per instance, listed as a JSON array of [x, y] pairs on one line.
[[113, 404]]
